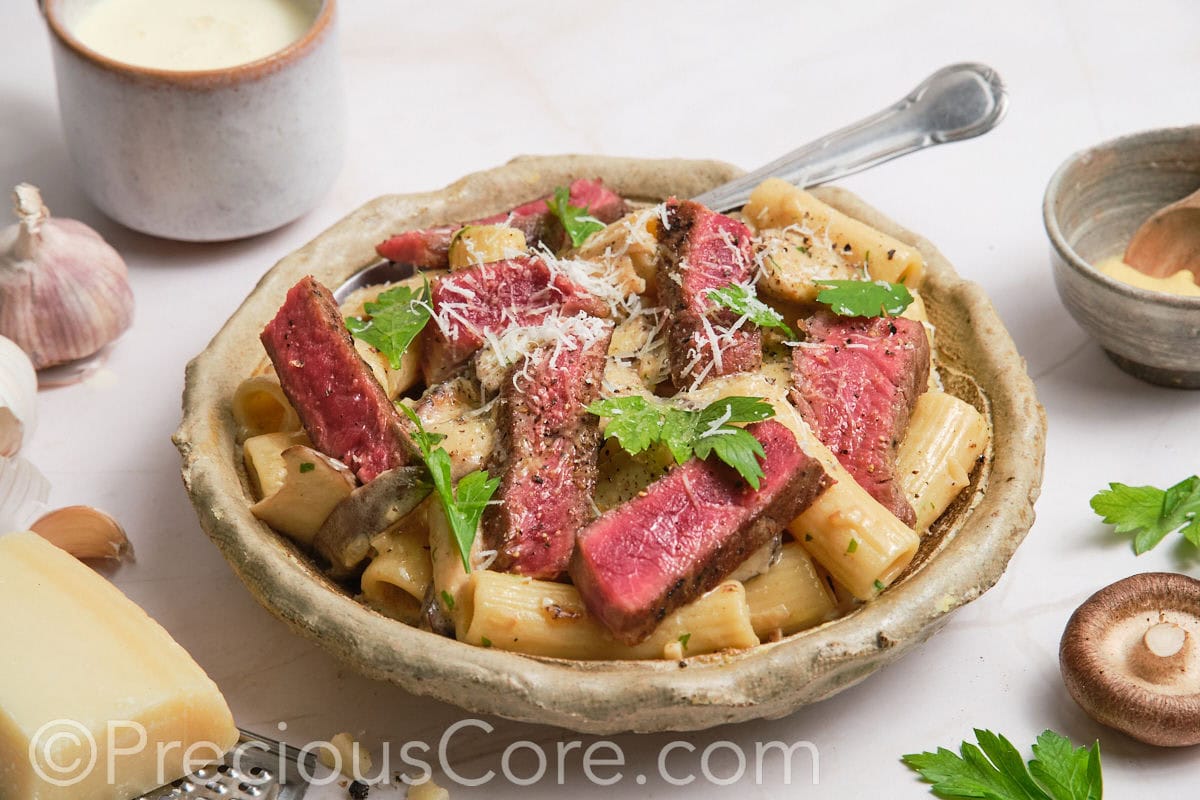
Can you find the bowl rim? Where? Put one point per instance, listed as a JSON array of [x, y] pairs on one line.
[[770, 680], [1079, 265]]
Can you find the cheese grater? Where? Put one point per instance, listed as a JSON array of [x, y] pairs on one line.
[[257, 769]]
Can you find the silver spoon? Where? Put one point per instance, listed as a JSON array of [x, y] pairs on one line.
[[957, 102]]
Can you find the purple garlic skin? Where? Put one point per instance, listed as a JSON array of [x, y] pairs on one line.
[[64, 291]]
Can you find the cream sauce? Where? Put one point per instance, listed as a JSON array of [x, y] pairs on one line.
[[191, 34], [1182, 282]]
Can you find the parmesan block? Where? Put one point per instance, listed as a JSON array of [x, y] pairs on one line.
[[96, 700]]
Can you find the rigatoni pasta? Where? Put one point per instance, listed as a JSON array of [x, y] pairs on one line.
[[946, 438]]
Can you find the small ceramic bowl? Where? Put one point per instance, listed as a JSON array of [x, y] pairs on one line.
[[965, 553], [1093, 205], [202, 155]]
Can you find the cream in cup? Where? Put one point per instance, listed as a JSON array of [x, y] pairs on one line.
[[200, 120]]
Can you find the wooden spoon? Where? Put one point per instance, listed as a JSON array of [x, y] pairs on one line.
[[1169, 241]]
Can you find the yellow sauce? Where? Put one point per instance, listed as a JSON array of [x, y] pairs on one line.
[[1181, 283], [191, 34]]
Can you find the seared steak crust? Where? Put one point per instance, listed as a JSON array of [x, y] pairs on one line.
[[344, 409], [856, 381], [703, 251], [547, 455], [687, 532]]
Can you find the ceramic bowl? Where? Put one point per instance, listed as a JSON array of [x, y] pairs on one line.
[[964, 555], [1093, 205], [202, 155]]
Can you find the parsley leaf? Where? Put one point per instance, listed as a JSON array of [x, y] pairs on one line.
[[307, 466], [744, 302], [1151, 513], [464, 503], [637, 424], [995, 769], [864, 298], [392, 321], [577, 222]]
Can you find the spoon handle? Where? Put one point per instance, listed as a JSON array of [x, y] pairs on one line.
[[956, 102]]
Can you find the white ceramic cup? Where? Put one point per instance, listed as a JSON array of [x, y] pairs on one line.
[[203, 155]]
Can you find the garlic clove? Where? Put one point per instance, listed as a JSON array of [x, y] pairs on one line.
[[23, 493], [18, 397], [85, 532], [64, 291]]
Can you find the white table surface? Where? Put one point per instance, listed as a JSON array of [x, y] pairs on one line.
[[437, 91]]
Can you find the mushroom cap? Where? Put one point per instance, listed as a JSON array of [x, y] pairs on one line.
[[1103, 664]]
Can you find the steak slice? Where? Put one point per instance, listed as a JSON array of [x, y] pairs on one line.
[[345, 411], [486, 299], [687, 532], [430, 248], [855, 381], [548, 451], [701, 251]]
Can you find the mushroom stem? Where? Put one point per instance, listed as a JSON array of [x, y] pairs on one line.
[[1161, 653]]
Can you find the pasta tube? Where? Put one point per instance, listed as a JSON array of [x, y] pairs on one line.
[[259, 406], [263, 457], [776, 203], [788, 597], [481, 244], [946, 436], [396, 580], [543, 618]]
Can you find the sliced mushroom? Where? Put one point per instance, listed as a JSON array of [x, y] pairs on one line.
[[344, 539], [1130, 657], [313, 485]]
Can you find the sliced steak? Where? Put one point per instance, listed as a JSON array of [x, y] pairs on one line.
[[687, 532], [855, 381], [701, 251], [473, 303], [547, 457], [430, 248], [346, 412]]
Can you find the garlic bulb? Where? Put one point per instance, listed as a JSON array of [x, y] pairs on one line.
[[18, 397], [23, 493], [64, 292]]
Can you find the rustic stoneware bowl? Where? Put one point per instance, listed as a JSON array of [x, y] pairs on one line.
[[202, 155], [963, 557], [1093, 205]]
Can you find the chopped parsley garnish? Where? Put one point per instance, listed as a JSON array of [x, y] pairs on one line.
[[995, 769], [447, 600], [392, 321], [485, 641], [307, 466], [744, 302], [864, 298], [683, 640], [879, 587], [852, 547], [464, 503], [1150, 513], [577, 222], [637, 423]]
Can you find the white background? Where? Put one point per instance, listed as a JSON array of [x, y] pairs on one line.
[[438, 92]]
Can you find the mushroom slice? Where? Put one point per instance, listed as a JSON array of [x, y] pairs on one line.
[[1130, 657], [313, 485], [344, 538]]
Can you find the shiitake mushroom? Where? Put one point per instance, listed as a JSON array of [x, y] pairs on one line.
[[1130, 656]]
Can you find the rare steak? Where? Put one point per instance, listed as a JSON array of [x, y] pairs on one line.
[[430, 248], [855, 381], [344, 409], [688, 531], [702, 251], [548, 451], [486, 299]]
